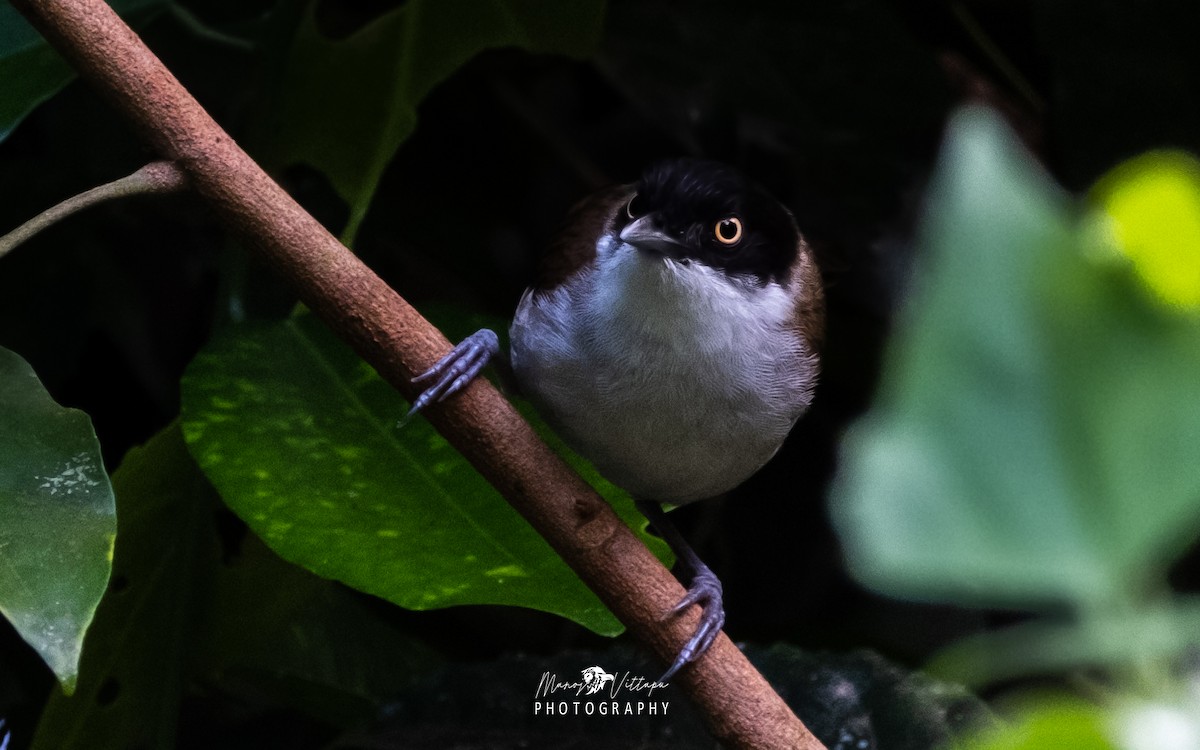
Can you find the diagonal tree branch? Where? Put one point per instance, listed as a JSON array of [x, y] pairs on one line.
[[739, 706]]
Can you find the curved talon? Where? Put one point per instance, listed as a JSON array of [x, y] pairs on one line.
[[458, 368], [705, 591], [704, 636]]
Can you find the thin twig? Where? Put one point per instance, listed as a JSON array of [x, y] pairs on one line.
[[997, 57], [155, 177]]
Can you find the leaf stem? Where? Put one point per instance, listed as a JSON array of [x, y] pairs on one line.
[[155, 177]]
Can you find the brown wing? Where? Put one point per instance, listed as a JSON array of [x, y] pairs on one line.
[[575, 244], [810, 306]]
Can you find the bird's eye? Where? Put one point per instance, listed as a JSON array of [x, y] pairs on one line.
[[729, 230], [634, 207]]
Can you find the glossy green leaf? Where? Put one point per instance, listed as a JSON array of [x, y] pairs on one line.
[[349, 103], [1036, 432], [185, 607], [303, 441], [135, 665], [31, 71], [59, 519]]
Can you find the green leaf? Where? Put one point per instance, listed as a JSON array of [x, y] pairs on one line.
[[1035, 436], [135, 667], [58, 510], [31, 70], [315, 644], [183, 607], [1145, 636], [301, 438], [1052, 723], [1151, 207], [348, 104]]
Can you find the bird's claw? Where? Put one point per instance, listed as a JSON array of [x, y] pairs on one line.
[[454, 371], [707, 592]]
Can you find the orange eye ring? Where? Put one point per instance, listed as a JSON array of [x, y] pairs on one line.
[[728, 230]]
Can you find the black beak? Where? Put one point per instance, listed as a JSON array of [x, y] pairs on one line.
[[642, 234]]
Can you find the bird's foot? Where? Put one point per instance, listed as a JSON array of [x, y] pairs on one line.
[[454, 371], [706, 591]]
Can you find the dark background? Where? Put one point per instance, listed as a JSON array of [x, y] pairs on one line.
[[836, 106]]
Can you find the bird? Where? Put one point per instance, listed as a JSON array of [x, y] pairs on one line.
[[672, 338]]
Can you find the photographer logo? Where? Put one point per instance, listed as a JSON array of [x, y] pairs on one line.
[[599, 693]]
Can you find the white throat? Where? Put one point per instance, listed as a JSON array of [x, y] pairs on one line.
[[687, 306], [675, 380]]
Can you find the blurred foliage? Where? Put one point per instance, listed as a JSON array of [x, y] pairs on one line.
[[1032, 443], [1150, 207], [1018, 349], [56, 541], [1031, 419], [1054, 722]]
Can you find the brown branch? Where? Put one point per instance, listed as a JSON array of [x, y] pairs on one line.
[[739, 706], [156, 177]]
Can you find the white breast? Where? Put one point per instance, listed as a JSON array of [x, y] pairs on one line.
[[674, 382]]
